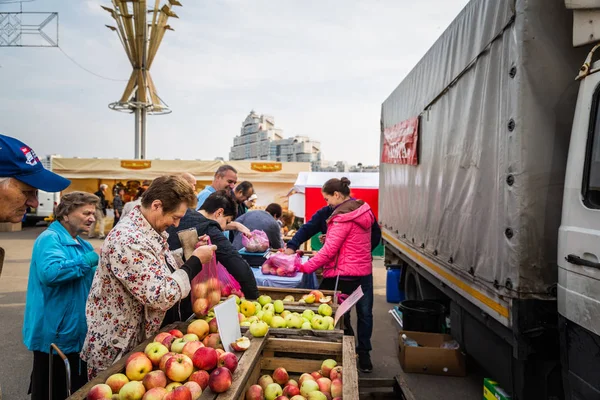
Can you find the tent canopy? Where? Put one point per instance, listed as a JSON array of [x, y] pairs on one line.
[[358, 180]]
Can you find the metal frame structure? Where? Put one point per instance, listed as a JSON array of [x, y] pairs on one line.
[[12, 29]]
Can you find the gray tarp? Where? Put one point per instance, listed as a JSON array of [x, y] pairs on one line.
[[457, 200]]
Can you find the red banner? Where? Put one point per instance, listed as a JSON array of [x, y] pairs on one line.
[[400, 143]]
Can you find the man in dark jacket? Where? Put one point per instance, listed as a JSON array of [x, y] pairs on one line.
[[216, 212], [318, 224]]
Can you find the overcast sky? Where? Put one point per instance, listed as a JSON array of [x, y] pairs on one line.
[[322, 68]]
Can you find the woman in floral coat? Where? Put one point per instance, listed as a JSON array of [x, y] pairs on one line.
[[137, 279]]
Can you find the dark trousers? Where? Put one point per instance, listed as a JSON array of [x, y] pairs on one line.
[[364, 307], [38, 388], [116, 221]]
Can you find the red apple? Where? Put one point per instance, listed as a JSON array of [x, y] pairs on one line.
[[291, 390], [100, 391], [179, 368], [265, 381], [219, 352], [212, 326], [138, 367], [324, 385], [201, 378], [171, 386], [176, 332], [154, 351], [282, 397], [316, 375], [168, 341], [134, 355], [327, 366], [292, 382], [116, 382], [163, 360], [161, 336], [336, 388], [179, 393], [157, 393], [241, 344], [220, 380], [281, 376], [336, 373], [133, 390], [190, 348], [229, 361], [205, 358], [199, 328], [195, 389], [155, 379], [213, 340], [255, 392]]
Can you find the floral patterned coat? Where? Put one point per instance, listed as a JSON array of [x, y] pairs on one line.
[[131, 292]]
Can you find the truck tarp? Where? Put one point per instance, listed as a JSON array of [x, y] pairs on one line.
[[496, 95]]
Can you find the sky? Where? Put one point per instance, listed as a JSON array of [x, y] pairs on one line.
[[322, 68]]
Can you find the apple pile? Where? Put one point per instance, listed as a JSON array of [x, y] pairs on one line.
[[205, 295], [325, 384], [175, 367]]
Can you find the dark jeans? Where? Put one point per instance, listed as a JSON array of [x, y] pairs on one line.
[[38, 387], [364, 307]]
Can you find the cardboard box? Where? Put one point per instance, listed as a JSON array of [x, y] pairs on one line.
[[429, 357], [9, 227], [491, 391]]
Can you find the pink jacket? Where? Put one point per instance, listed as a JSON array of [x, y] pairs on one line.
[[348, 242]]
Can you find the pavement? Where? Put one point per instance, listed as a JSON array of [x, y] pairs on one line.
[[15, 365]]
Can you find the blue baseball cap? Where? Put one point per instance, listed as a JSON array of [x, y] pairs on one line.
[[19, 161]]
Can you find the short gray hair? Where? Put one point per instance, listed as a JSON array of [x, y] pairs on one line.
[[103, 186], [222, 170], [71, 201]]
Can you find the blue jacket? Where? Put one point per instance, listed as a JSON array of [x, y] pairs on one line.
[[318, 224], [60, 277]]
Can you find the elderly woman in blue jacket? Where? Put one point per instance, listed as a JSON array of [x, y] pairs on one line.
[[60, 276]]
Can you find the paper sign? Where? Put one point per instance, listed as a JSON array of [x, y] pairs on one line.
[[348, 304], [229, 324]]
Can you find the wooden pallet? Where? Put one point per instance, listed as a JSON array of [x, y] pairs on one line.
[[297, 357]]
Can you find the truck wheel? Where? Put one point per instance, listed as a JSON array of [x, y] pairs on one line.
[[411, 285]]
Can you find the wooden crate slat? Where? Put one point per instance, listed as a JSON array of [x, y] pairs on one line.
[[295, 346], [349, 374], [292, 365]]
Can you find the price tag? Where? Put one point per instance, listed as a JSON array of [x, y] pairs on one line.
[[348, 304], [229, 324]]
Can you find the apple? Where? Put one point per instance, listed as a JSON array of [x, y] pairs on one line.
[[289, 299], [278, 304], [137, 368], [100, 391], [219, 352], [167, 341], [214, 297], [241, 344], [325, 310], [134, 355], [260, 314], [252, 319], [257, 306], [259, 329], [336, 388], [199, 328], [191, 337], [277, 322], [308, 314], [212, 326], [116, 382], [164, 359], [229, 361], [194, 388], [269, 307], [133, 390], [255, 392], [309, 299], [171, 386], [324, 384], [179, 368], [292, 382], [329, 321], [306, 325], [154, 351], [293, 321], [319, 323], [305, 377], [317, 395], [200, 377], [205, 358], [241, 317], [282, 397], [281, 376], [157, 393], [220, 380], [285, 313], [308, 386], [199, 290], [190, 348], [237, 299], [264, 299], [161, 336], [267, 317], [213, 340], [336, 373], [179, 393], [327, 366], [291, 390], [176, 332], [265, 381], [325, 300], [200, 307], [318, 295], [245, 323], [316, 375], [247, 308], [298, 397], [272, 391], [177, 345], [155, 379]]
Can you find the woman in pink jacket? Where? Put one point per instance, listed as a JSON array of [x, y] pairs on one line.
[[346, 259]]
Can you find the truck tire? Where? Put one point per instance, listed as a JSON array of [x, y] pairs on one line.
[[418, 288]]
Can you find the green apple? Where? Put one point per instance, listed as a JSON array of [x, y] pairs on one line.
[[308, 314], [258, 306], [278, 306], [288, 299], [277, 322], [237, 299], [306, 325], [264, 299], [245, 323], [285, 313], [293, 321], [325, 310], [319, 323], [259, 329], [309, 299], [260, 314], [253, 319], [269, 307], [267, 317], [328, 320]]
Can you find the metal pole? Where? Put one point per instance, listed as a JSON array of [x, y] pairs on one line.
[[138, 135], [143, 133]]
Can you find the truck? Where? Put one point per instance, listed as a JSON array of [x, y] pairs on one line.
[[490, 190], [47, 202]]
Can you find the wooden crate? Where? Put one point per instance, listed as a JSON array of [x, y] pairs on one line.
[[277, 293], [297, 357], [333, 336]]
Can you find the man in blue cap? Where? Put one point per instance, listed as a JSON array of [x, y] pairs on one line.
[[21, 175]]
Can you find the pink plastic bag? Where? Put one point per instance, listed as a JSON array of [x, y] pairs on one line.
[[206, 288], [282, 264], [258, 242], [229, 285]]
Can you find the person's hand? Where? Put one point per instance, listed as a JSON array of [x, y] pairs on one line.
[[289, 251], [244, 230], [205, 253], [322, 239], [202, 241]]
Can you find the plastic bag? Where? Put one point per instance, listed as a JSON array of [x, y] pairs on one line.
[[282, 264], [206, 288], [258, 242], [229, 285]]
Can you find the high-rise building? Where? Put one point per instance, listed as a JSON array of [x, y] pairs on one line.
[[259, 139]]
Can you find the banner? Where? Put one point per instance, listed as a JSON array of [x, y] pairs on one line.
[[400, 143]]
